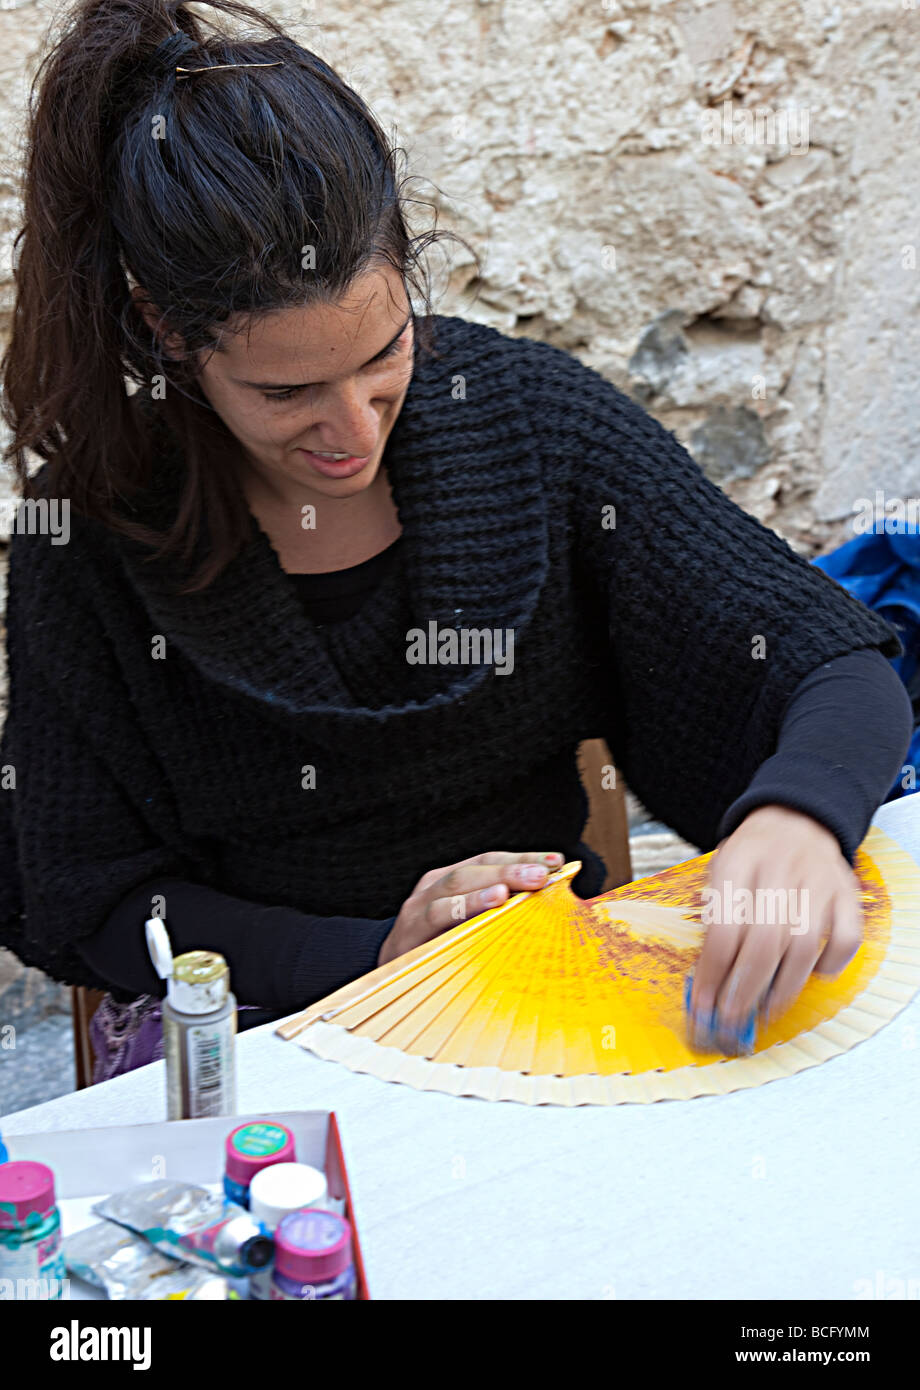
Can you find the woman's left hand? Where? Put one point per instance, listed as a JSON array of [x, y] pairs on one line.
[[763, 957]]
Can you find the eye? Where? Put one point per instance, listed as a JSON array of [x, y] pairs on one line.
[[283, 395], [391, 351]]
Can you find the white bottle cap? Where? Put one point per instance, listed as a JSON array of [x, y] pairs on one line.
[[284, 1187], [159, 947]]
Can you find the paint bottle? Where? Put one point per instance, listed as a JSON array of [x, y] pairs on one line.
[[313, 1257], [250, 1148], [274, 1194], [199, 1028], [30, 1231]]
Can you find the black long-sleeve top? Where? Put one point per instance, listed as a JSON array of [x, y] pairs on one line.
[[848, 713]]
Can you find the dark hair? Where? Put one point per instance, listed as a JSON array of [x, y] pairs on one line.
[[211, 221]]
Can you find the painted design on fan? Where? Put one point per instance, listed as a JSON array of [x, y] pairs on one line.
[[549, 998]]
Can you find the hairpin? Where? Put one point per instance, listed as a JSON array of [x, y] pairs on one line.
[[179, 45], [217, 67]]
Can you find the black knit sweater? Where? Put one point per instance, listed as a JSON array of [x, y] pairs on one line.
[[678, 634]]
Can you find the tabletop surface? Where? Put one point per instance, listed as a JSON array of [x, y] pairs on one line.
[[804, 1187]]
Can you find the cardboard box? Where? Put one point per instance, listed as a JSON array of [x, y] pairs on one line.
[[89, 1164]]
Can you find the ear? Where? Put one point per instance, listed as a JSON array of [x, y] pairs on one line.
[[172, 343]]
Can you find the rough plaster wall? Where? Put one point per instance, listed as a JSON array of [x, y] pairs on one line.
[[761, 299]]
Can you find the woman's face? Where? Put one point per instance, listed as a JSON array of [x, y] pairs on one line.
[[327, 379]]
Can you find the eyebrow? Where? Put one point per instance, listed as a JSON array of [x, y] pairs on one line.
[[295, 386]]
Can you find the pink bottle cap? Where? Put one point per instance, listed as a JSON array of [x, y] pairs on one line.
[[26, 1189], [312, 1246], [254, 1146]]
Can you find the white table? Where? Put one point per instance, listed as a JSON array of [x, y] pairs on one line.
[[796, 1189]]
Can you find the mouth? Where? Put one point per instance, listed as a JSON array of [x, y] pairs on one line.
[[334, 465]]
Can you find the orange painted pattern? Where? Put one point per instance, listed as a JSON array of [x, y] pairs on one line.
[[555, 985]]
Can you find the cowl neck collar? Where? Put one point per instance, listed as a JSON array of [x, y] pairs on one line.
[[466, 483]]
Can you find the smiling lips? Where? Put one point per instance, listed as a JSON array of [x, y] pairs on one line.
[[335, 465]]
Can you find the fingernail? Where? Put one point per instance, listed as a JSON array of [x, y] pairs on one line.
[[553, 858], [738, 1038], [688, 990], [492, 895], [533, 873]]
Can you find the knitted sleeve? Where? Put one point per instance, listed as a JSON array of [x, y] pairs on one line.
[[844, 736], [279, 958], [711, 619], [80, 858], [74, 839]]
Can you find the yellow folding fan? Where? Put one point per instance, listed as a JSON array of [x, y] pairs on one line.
[[553, 999]]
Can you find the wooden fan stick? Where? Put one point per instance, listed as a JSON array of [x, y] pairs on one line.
[[458, 960], [359, 990], [429, 1022]]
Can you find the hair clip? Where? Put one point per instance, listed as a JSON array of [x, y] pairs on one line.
[[218, 67], [178, 46]]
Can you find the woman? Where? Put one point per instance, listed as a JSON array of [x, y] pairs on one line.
[[345, 585]]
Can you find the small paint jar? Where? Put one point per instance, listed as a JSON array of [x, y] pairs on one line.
[[30, 1231], [274, 1194], [313, 1257], [250, 1148]]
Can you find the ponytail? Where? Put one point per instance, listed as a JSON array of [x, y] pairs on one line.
[[202, 191]]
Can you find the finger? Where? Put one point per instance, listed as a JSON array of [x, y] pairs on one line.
[[792, 976], [723, 938], [445, 912], [467, 878], [800, 959], [719, 950], [552, 859], [846, 933], [749, 976]]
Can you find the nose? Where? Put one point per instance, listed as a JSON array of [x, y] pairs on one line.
[[346, 419]]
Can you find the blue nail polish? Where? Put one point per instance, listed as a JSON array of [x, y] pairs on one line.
[[746, 1035], [707, 1031], [699, 1025]]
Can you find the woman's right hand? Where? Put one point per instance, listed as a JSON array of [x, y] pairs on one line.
[[444, 897]]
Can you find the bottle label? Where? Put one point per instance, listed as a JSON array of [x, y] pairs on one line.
[[34, 1269], [211, 1088], [344, 1286], [260, 1140]]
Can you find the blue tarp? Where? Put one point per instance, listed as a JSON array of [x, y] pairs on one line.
[[882, 570]]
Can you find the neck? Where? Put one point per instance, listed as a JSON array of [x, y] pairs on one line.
[[341, 531]]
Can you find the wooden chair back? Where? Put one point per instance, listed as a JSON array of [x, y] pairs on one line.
[[607, 827], [85, 1002]]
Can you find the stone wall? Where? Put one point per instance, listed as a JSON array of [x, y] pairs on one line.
[[756, 286], [713, 203]]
